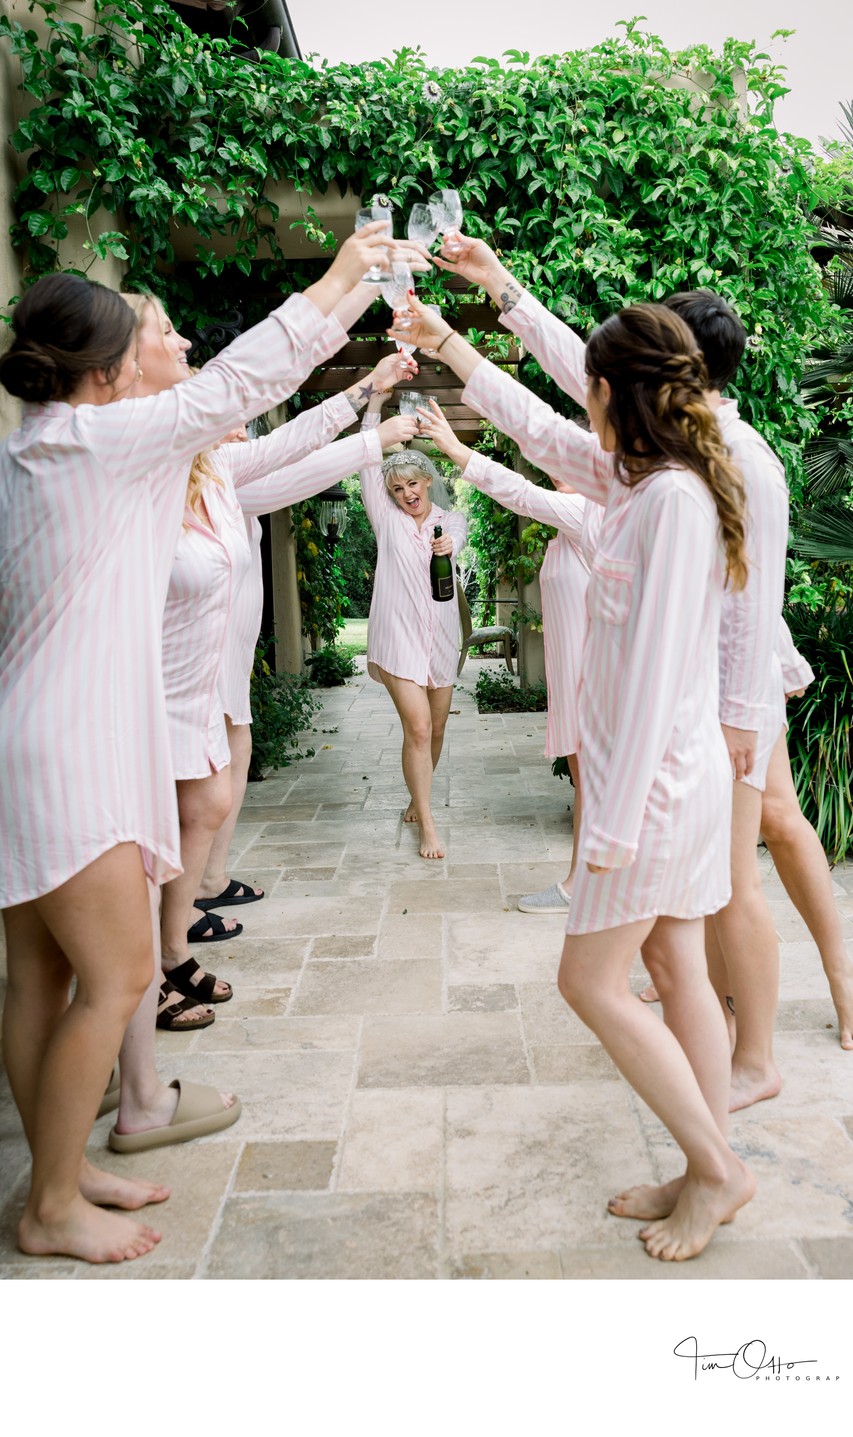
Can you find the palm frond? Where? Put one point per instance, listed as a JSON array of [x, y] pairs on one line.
[[826, 534], [846, 126], [834, 372], [839, 285], [829, 466]]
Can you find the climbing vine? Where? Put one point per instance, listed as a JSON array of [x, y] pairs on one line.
[[600, 177]]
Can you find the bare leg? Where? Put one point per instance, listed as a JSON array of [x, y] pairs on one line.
[[203, 806], [439, 704], [59, 1054], [215, 879], [412, 704], [690, 1010], [801, 864], [750, 949], [574, 770], [593, 979], [145, 1102]]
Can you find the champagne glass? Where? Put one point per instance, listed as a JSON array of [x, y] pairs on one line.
[[436, 309], [423, 224], [394, 288], [448, 212], [411, 402], [375, 274]]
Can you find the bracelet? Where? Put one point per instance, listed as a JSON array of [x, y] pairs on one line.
[[448, 335]]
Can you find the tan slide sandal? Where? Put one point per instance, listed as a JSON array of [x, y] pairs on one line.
[[198, 1113]]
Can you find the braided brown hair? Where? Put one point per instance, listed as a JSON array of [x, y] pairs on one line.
[[658, 412]]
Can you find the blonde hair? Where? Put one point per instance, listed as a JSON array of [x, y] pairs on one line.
[[201, 469], [405, 472]]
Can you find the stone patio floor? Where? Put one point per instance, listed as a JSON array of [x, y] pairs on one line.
[[417, 1100]]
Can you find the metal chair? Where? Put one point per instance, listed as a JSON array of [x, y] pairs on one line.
[[479, 638]]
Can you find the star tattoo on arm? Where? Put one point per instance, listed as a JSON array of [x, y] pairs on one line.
[[363, 392]]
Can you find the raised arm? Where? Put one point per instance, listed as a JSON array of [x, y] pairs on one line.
[[317, 471], [552, 443], [556, 445], [314, 428], [253, 374], [564, 511], [377, 500], [558, 349], [678, 547], [310, 475]]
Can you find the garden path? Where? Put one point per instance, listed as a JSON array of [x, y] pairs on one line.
[[417, 1100]]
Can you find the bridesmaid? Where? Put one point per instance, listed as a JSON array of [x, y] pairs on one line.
[[88, 823], [213, 559], [564, 577], [303, 440], [412, 640], [655, 846]]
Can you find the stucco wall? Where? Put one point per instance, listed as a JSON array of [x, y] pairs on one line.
[[14, 104]]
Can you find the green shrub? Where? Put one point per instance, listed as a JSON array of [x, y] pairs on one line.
[[282, 707], [498, 693], [330, 667], [819, 733]]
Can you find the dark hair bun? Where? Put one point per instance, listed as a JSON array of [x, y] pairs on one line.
[[64, 327], [29, 373]]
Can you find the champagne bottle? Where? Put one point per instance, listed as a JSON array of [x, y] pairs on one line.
[[441, 574]]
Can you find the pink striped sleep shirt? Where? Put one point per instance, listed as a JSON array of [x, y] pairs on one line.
[[87, 494], [751, 688], [210, 562], [797, 672], [409, 634], [655, 770], [563, 580], [209, 565], [311, 429]]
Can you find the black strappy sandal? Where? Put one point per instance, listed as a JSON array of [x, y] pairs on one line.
[[172, 1005], [190, 979], [199, 934]]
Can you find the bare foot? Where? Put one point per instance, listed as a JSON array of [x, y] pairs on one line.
[[104, 1189], [841, 988], [750, 1087], [87, 1232], [429, 845], [701, 1208], [650, 994], [648, 1200], [410, 816], [158, 1112]]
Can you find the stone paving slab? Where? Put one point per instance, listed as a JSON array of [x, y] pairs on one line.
[[418, 1101]]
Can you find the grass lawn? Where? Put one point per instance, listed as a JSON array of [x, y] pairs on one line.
[[354, 633]]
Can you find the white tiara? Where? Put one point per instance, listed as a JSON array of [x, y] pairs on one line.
[[409, 458]]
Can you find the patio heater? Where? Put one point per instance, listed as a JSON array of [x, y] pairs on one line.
[[332, 514]]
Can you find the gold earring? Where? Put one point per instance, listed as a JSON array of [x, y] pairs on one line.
[[138, 375]]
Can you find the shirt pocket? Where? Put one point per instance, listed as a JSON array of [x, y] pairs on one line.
[[610, 590]]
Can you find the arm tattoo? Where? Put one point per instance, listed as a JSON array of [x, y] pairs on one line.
[[365, 392], [510, 297]]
